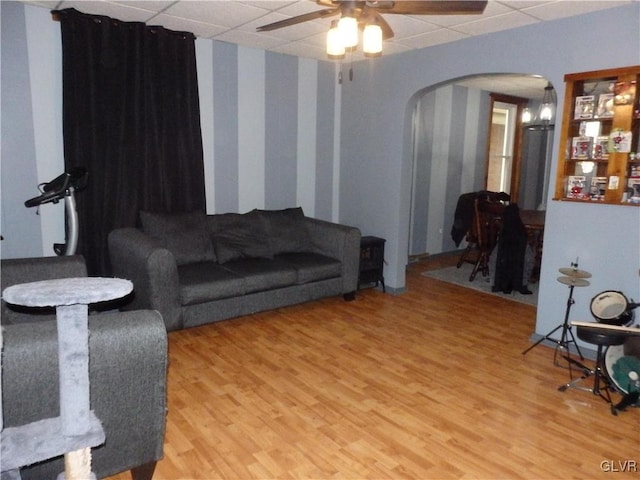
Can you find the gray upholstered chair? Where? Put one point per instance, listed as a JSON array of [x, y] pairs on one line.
[[128, 364]]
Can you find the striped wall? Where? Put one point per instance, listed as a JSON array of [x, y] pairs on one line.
[[268, 130], [450, 134], [270, 124]]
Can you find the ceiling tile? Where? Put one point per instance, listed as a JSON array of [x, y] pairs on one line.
[[199, 29], [560, 9], [494, 24], [443, 35], [408, 26], [250, 39], [110, 9], [225, 13], [151, 5]]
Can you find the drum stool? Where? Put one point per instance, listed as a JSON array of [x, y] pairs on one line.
[[601, 339]]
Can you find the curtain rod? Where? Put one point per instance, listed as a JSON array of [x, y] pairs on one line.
[[57, 14]]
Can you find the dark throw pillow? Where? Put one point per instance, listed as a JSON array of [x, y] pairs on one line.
[[286, 229], [183, 234], [236, 236]]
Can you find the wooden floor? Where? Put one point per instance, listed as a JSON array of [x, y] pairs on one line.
[[430, 384]]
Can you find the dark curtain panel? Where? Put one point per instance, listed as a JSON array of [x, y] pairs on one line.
[[131, 118]]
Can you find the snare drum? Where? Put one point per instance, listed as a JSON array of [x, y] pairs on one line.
[[619, 360], [611, 307]]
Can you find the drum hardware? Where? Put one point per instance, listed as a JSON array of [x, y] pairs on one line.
[[574, 278], [574, 272], [615, 338], [574, 282]]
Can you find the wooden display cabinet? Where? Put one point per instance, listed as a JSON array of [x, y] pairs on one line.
[[598, 158]]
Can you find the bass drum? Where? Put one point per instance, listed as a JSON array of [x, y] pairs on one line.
[[619, 360], [611, 307]]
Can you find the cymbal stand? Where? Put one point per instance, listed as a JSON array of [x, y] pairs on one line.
[[566, 337]]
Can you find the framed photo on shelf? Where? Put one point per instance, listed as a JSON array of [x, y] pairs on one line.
[[605, 106], [584, 107]]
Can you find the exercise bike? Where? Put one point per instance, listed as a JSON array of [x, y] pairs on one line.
[[63, 187]]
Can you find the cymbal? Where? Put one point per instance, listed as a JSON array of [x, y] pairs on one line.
[[573, 281], [574, 272]]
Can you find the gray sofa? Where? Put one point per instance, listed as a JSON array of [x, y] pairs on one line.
[[128, 366], [196, 269]]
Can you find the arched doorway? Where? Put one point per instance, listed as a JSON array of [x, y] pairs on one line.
[[450, 146]]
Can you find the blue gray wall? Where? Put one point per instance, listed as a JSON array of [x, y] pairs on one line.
[[353, 159], [377, 111]]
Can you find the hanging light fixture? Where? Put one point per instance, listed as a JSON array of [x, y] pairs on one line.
[[335, 46], [547, 107], [372, 40], [526, 115], [343, 35], [348, 28]]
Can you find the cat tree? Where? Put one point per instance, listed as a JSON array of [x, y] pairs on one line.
[[77, 429]]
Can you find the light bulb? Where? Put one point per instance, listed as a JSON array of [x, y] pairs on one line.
[[348, 28], [335, 47], [372, 41]]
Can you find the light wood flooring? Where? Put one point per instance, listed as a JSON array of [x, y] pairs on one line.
[[430, 384]]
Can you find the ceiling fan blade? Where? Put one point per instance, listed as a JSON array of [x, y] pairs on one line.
[[435, 7], [327, 12], [370, 15]]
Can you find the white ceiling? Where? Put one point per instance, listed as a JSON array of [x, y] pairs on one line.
[[236, 22]]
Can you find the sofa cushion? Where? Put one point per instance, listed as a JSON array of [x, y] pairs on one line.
[[236, 236], [286, 230], [311, 267], [206, 281], [262, 274], [183, 234]]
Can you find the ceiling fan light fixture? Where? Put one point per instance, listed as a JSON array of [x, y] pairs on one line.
[[335, 47], [372, 40], [348, 28]]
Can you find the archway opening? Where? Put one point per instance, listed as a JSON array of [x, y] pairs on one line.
[[450, 143]]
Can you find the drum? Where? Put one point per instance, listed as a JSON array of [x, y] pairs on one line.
[[619, 361], [612, 307]]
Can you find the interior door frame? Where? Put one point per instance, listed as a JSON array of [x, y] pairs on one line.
[[520, 103]]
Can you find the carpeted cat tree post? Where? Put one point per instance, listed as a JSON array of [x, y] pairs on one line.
[[77, 429]]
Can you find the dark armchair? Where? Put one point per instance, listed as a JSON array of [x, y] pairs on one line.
[[128, 362]]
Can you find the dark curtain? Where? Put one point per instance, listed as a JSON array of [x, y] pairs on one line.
[[131, 117]]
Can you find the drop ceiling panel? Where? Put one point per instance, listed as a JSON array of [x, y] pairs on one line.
[[236, 21]]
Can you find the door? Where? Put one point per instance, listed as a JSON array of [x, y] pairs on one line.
[[505, 138]]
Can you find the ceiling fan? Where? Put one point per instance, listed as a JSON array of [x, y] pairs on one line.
[[370, 12]]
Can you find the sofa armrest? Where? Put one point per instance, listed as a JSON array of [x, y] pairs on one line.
[[137, 257], [127, 372], [341, 242]]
